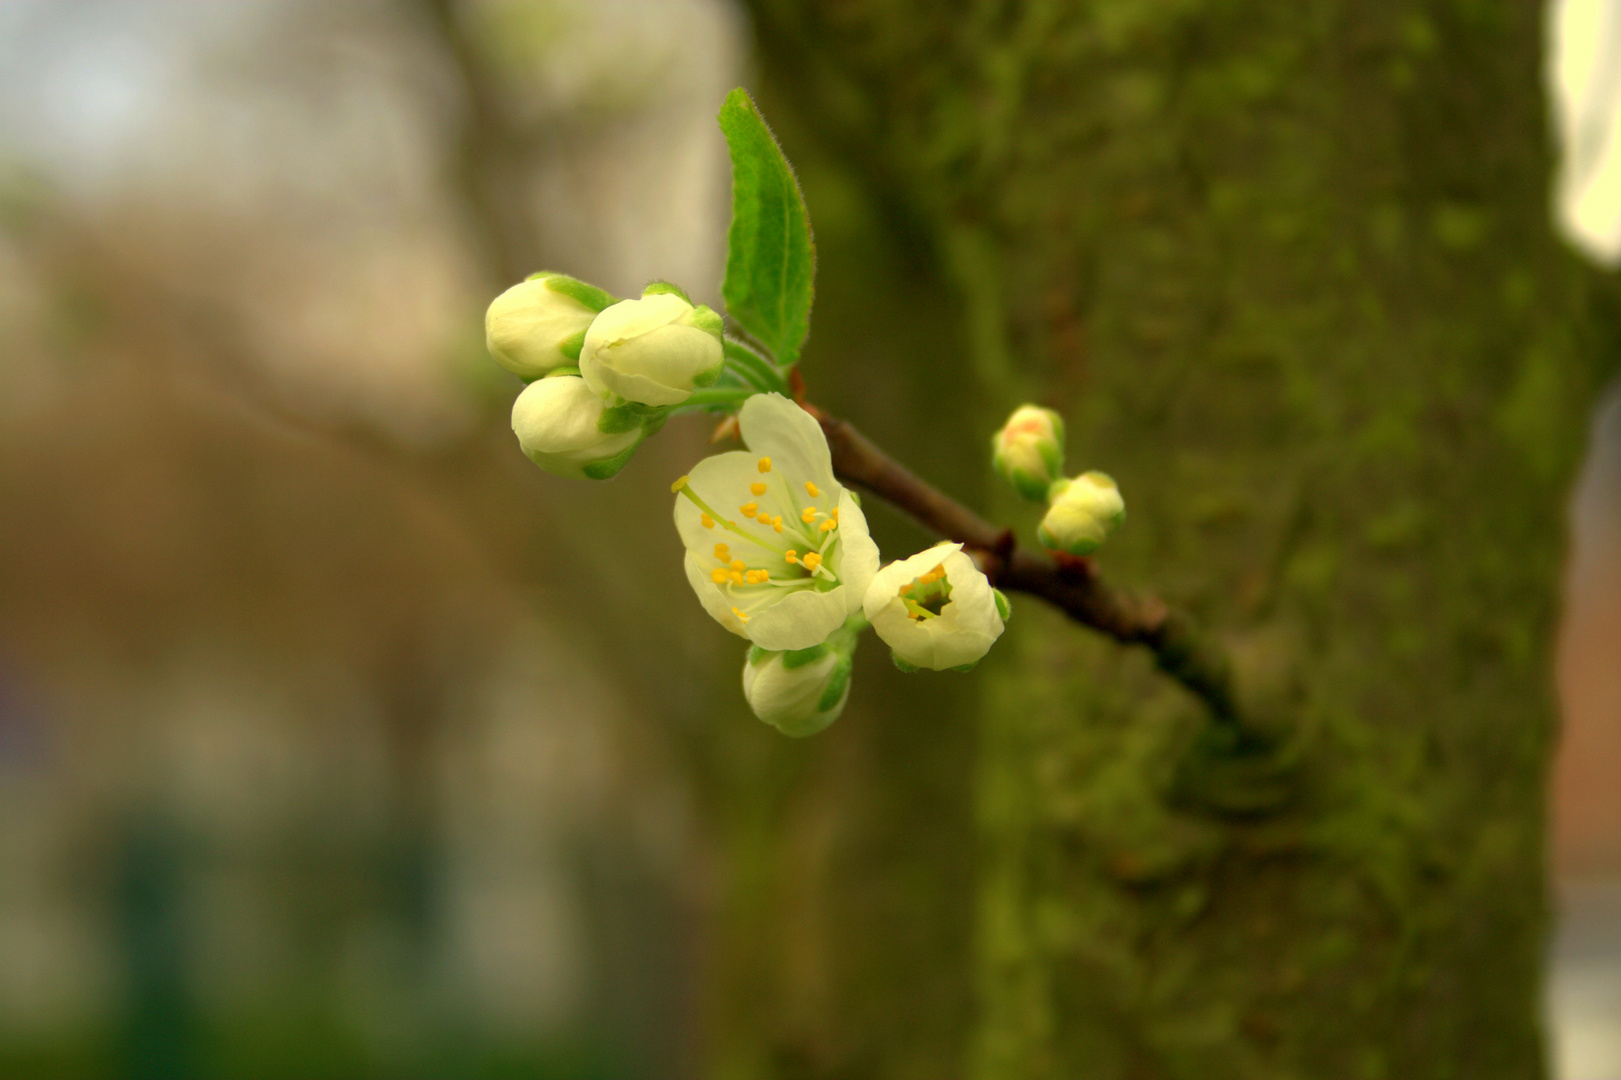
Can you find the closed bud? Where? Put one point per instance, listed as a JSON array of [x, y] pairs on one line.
[[1083, 512], [655, 350], [798, 693], [558, 421], [539, 325], [1029, 451]]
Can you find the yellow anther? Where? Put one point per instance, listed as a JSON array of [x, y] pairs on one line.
[[811, 489], [904, 588], [834, 514], [736, 576], [809, 515], [812, 560], [758, 577], [829, 526], [737, 564], [680, 482], [765, 464], [757, 488], [719, 576], [749, 509], [776, 522], [792, 556], [763, 518], [706, 521], [723, 553], [740, 614]]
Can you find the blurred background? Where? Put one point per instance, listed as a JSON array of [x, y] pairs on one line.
[[333, 740]]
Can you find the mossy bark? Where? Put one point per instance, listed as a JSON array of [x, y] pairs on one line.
[[1287, 270]]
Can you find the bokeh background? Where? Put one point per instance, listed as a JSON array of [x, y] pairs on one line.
[[335, 739]]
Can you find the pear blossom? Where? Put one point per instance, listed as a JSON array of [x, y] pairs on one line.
[[654, 351], [798, 693], [539, 324], [1082, 513], [558, 423], [1029, 450], [936, 609], [777, 549]]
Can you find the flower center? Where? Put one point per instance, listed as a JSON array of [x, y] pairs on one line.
[[925, 596], [784, 534]]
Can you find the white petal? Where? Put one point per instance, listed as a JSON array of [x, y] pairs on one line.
[[858, 553], [774, 427], [797, 619], [710, 596]]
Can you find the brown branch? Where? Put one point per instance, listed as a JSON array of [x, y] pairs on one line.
[[1070, 584]]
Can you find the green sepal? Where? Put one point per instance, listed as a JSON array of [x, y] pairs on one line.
[[589, 295], [571, 346], [559, 372], [1029, 487], [619, 419], [797, 658], [770, 253], [708, 320], [608, 468], [710, 377], [757, 655], [836, 683], [660, 287], [902, 664], [1003, 609]]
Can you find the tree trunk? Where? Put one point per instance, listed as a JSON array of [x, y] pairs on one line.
[[1287, 271]]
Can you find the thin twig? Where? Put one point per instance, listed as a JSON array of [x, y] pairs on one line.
[[1070, 584]]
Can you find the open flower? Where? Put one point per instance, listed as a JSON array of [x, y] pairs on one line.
[[777, 550], [557, 420], [798, 693], [935, 610], [653, 351], [1082, 514]]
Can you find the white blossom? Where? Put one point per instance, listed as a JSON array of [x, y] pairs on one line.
[[777, 549], [654, 351], [556, 420], [935, 610], [1082, 514]]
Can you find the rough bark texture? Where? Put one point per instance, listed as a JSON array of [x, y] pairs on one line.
[[1286, 269]]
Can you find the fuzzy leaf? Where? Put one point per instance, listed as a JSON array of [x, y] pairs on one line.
[[770, 254]]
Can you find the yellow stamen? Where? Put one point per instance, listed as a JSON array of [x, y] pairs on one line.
[[809, 515], [776, 522], [765, 464], [758, 577], [740, 615], [736, 576], [829, 526], [906, 588], [811, 489], [723, 553], [738, 564], [680, 482], [811, 561], [763, 518], [749, 509], [757, 488], [718, 576], [835, 514], [793, 556], [706, 521]]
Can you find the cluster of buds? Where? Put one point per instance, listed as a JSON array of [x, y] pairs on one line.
[[602, 375], [1082, 512]]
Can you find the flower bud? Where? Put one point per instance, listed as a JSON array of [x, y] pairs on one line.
[[558, 424], [798, 693], [540, 324], [655, 350], [1083, 512], [1029, 451], [935, 610]]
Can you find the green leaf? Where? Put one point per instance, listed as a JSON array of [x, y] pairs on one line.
[[770, 255]]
